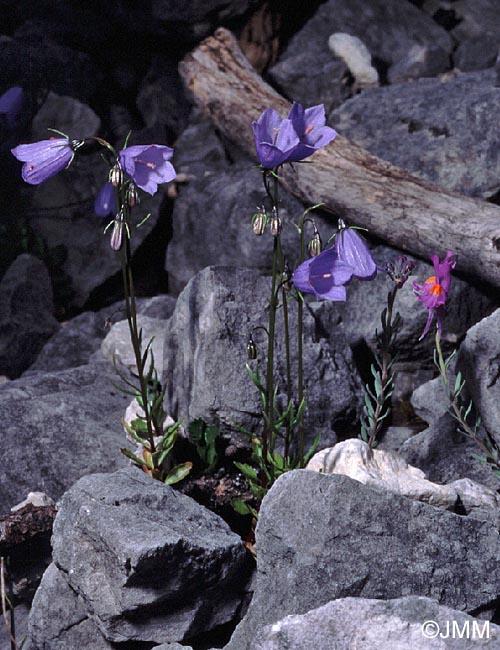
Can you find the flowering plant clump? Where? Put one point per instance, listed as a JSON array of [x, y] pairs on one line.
[[139, 166], [434, 294]]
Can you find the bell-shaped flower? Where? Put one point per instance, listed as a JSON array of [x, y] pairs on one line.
[[324, 275], [278, 141], [105, 201], [352, 249], [275, 139], [44, 159], [434, 291], [309, 125], [148, 165], [11, 104]]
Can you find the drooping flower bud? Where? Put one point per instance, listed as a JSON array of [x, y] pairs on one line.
[[117, 232], [400, 270], [276, 224], [259, 221], [132, 195], [314, 245], [116, 175], [251, 348]]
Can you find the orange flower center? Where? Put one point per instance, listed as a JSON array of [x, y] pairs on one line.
[[436, 289], [309, 129]]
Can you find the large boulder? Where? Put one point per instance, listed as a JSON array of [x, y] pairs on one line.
[[479, 360], [425, 127], [369, 544], [394, 31], [57, 427], [26, 314], [147, 563], [205, 357], [410, 623], [78, 339]]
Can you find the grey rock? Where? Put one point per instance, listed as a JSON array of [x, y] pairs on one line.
[[477, 53], [205, 357], [26, 314], [172, 646], [149, 563], [58, 427], [59, 620], [117, 347], [21, 613], [161, 99], [309, 73], [479, 361], [199, 151], [201, 12], [309, 553], [365, 624], [80, 338], [420, 61], [425, 127], [445, 455], [70, 115], [211, 225], [477, 33]]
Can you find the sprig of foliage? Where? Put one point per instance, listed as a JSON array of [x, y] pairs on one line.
[[204, 437], [468, 423]]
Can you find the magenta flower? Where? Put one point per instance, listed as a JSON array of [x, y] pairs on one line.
[[44, 159], [11, 104], [292, 139], [105, 201], [148, 165], [352, 249], [434, 291], [324, 275]]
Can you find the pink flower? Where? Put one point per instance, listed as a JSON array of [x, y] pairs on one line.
[[434, 291]]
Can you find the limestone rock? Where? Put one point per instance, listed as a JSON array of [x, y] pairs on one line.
[[389, 471], [409, 623], [320, 538]]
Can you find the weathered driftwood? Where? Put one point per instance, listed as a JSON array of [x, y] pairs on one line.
[[405, 211]]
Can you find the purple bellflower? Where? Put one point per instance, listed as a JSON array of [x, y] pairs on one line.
[[292, 139], [11, 104], [324, 275], [434, 291], [44, 159], [309, 125], [105, 202], [148, 165], [352, 249], [275, 139]]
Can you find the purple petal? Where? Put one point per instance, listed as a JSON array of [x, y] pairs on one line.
[[104, 203], [327, 268], [148, 165], [43, 159], [336, 294], [352, 249], [300, 277], [430, 318]]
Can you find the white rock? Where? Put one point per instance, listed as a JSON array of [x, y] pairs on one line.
[[37, 499], [356, 56], [388, 471]]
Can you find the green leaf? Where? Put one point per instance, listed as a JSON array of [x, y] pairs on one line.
[[248, 471], [312, 449], [178, 473], [241, 507], [126, 452]]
